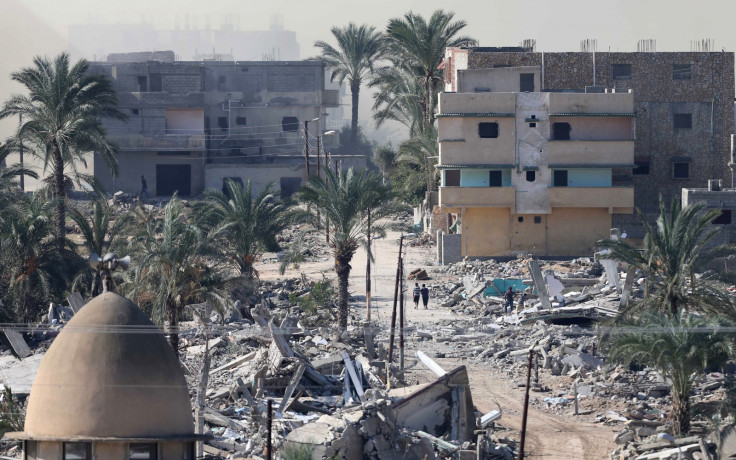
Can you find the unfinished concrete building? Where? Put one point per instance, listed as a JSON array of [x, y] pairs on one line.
[[683, 103], [193, 124], [109, 388], [525, 171]]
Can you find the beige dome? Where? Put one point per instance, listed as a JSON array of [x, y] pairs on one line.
[[97, 381]]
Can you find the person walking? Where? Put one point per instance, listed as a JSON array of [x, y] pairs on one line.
[[417, 292], [425, 295], [144, 188], [509, 300]]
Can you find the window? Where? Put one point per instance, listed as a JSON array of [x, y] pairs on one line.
[[482, 89], [642, 166], [561, 131], [157, 82], [682, 71], [537, 219], [142, 84], [531, 176], [241, 121], [222, 123], [452, 177], [495, 178], [680, 170], [682, 121], [526, 82], [134, 111], [290, 124], [142, 451], [77, 451], [559, 178], [724, 218], [621, 71], [221, 79], [520, 219], [532, 124], [488, 130]]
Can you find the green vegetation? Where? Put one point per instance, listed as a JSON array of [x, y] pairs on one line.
[[296, 452], [321, 295]]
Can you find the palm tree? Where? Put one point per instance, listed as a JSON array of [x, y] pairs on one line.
[[173, 272], [417, 46], [62, 115], [679, 347], [358, 48], [399, 98], [246, 226], [343, 200], [419, 153], [672, 251]]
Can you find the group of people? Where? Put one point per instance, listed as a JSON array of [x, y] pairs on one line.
[[509, 300], [508, 307], [422, 292]]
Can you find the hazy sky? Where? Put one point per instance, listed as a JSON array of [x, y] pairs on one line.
[[30, 27]]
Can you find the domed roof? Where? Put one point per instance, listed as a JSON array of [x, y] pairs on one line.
[[109, 375]]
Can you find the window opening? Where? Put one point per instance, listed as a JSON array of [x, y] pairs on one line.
[[621, 71], [537, 219], [559, 178], [526, 82], [147, 451], [642, 167], [222, 123], [157, 82], [520, 219], [241, 121], [452, 177], [682, 71], [488, 130], [495, 178], [533, 124], [77, 451], [724, 218], [134, 111], [221, 79], [561, 131], [142, 84], [290, 124], [531, 176], [680, 170], [682, 121]]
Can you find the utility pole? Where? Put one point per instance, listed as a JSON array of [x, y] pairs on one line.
[[22, 176], [532, 352], [306, 148], [401, 313], [269, 423], [319, 148], [327, 180], [368, 271], [396, 296]]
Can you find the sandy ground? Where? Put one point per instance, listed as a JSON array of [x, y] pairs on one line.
[[549, 435]]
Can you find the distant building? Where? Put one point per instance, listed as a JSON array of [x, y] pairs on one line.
[[716, 197], [193, 124], [683, 103], [525, 171]]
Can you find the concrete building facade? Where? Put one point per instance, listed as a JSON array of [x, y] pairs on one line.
[[683, 103], [525, 171]]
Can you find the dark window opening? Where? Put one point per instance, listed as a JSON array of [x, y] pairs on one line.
[[682, 71], [134, 111], [143, 84], [532, 125], [531, 176], [221, 79], [142, 451], [621, 71], [290, 124], [289, 186], [642, 167], [222, 123], [537, 219], [452, 177], [724, 218], [526, 82], [77, 451], [495, 178], [561, 131], [680, 170], [488, 130], [682, 121], [482, 90], [559, 178], [520, 219], [241, 121], [157, 82]]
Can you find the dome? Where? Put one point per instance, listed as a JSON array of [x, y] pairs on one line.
[[107, 376]]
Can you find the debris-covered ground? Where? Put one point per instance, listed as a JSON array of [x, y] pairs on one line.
[[460, 392]]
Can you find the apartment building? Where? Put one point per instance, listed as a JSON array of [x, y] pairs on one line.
[[191, 125], [526, 171], [683, 103]]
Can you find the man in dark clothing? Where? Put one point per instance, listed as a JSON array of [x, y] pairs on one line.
[[509, 300], [416, 292], [425, 295], [144, 188]]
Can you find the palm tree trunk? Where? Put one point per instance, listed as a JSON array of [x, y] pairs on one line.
[[59, 191], [173, 314], [368, 271], [355, 93], [429, 112], [342, 268], [681, 411]]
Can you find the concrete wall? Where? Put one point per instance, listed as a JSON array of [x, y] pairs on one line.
[[498, 80], [619, 102], [258, 174], [451, 248], [591, 152], [53, 450], [597, 128], [485, 231], [574, 231], [467, 147], [477, 102]]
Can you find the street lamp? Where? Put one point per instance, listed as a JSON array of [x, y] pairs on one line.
[[306, 144], [319, 148]]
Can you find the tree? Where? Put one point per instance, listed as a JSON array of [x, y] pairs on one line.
[[172, 271], [420, 152], [416, 47], [358, 48], [398, 98], [342, 201], [245, 226], [62, 119], [672, 251], [680, 347]]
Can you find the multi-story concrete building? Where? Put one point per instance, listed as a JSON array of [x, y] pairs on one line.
[[683, 103], [193, 124], [530, 171], [716, 197]]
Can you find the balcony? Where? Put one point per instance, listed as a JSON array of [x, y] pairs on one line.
[[619, 198], [591, 152], [331, 97], [140, 142], [478, 197], [591, 103]]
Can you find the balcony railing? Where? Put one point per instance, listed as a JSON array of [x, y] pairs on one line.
[[132, 142]]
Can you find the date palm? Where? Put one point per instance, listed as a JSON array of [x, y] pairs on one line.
[[62, 119], [342, 200], [358, 49]]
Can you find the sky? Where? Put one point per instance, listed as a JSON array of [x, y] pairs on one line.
[[32, 27]]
